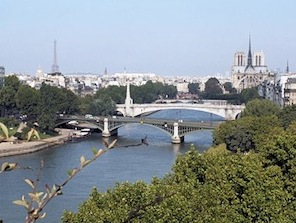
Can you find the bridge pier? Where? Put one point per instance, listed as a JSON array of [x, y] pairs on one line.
[[106, 133], [176, 139]]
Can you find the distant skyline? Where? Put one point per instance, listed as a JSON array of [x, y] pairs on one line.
[[165, 37]]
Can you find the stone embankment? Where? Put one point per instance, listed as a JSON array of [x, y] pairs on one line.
[[23, 147]]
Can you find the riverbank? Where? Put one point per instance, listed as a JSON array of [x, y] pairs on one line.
[[23, 147]]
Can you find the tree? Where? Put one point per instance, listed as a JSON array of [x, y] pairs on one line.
[[287, 115], [239, 139], [169, 91], [245, 133], [103, 106], [212, 86], [116, 93], [7, 94], [7, 101], [27, 99], [216, 186], [193, 88], [260, 108], [52, 100], [84, 104], [228, 87], [69, 102], [13, 82], [249, 94]]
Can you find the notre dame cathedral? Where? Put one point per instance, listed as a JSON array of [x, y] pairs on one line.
[[248, 71]]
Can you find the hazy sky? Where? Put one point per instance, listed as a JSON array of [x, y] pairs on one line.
[[166, 37]]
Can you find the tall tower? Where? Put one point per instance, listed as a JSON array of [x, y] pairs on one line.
[[249, 64], [55, 66], [287, 68], [128, 100]]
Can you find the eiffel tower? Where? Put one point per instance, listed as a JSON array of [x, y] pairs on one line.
[[55, 66]]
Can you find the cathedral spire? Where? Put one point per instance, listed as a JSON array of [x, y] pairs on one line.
[[249, 64]]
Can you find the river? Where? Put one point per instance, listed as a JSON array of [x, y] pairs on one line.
[[117, 165]]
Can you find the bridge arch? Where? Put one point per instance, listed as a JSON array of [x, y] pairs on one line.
[[108, 127], [218, 107], [92, 124], [226, 111]]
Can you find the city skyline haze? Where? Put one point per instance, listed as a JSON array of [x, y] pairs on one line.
[[184, 38]]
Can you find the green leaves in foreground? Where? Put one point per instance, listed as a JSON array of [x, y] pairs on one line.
[[215, 186], [8, 166], [36, 201]]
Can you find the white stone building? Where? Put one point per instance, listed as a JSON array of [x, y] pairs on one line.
[[248, 71]]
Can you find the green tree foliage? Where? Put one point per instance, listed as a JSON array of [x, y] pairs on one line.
[[216, 186], [52, 101], [245, 133], [7, 101], [70, 102], [228, 87], [46, 121], [13, 82], [103, 106], [147, 93], [239, 139], [169, 91], [249, 94], [150, 92], [279, 148], [27, 99], [84, 104], [193, 88], [7, 94], [260, 108], [117, 94], [287, 115], [213, 87]]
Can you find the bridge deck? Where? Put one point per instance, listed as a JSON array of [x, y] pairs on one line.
[[167, 125]]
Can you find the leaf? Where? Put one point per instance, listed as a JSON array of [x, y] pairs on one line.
[[21, 203], [44, 197], [39, 194], [112, 144], [82, 160], [72, 172], [47, 188], [94, 150], [53, 190], [86, 162], [30, 182], [4, 166], [29, 134], [42, 216], [100, 152], [8, 166], [42, 200], [34, 197], [4, 129], [69, 172], [36, 134]]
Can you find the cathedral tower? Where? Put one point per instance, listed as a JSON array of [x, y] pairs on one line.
[[250, 74]]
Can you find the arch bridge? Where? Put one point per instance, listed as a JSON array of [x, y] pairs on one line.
[[217, 107], [109, 125]]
